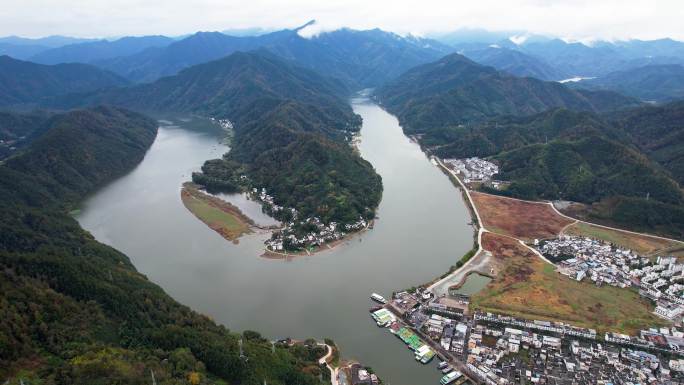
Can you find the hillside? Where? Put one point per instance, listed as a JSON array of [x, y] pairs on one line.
[[658, 131], [456, 90], [19, 129], [291, 132], [94, 51], [649, 83], [23, 82], [508, 133], [359, 58], [226, 87], [609, 166], [76, 311]]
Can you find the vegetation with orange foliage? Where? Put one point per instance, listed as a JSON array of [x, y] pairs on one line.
[[520, 219]]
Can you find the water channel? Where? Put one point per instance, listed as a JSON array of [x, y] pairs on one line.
[[422, 230]]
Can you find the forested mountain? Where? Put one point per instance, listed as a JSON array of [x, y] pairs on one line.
[[550, 141], [91, 52], [359, 58], [19, 129], [73, 310], [225, 88], [456, 90], [649, 83], [603, 58], [291, 129], [659, 132], [515, 63], [607, 164], [23, 82], [619, 185]]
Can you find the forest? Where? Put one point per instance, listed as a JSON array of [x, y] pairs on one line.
[[75, 311]]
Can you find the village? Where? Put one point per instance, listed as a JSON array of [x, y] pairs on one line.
[[303, 234], [582, 258], [498, 349], [475, 170]]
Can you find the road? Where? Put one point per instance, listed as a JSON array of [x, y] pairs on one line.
[[324, 361]]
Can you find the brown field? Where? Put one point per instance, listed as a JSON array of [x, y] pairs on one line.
[[528, 287], [520, 219], [642, 244]]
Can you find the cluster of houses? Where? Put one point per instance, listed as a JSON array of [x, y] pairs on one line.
[[502, 355], [359, 375], [603, 263], [474, 169], [223, 123], [292, 236]]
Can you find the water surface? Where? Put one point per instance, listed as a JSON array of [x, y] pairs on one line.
[[421, 231]]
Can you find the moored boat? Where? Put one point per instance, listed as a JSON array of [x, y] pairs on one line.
[[378, 298]]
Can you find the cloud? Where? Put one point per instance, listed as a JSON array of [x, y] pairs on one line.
[[573, 19]]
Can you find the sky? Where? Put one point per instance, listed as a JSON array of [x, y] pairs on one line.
[[582, 20]]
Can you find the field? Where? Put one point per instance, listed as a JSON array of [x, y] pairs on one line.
[[528, 287], [642, 244], [520, 219], [219, 215]]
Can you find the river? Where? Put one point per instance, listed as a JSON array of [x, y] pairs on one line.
[[422, 230]]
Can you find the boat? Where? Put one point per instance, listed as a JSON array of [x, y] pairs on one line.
[[442, 365], [447, 369], [451, 377], [378, 298], [383, 317], [424, 354]]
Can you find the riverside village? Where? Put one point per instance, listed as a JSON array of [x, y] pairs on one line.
[[499, 349]]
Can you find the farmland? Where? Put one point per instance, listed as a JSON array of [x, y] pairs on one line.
[[520, 219], [528, 287]]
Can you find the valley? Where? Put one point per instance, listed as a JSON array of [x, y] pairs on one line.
[[273, 204]]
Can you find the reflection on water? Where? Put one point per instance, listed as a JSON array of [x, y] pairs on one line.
[[422, 231], [250, 208]]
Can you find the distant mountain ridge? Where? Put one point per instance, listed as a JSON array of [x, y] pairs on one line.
[[23, 82], [455, 90], [658, 83], [359, 58], [227, 88], [93, 51], [515, 63]]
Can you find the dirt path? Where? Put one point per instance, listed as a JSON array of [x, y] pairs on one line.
[[613, 228], [324, 360]]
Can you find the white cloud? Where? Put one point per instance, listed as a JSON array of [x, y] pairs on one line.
[[573, 19]]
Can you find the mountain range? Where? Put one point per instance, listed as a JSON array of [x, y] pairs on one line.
[[359, 58], [455, 90], [653, 83], [94, 51], [24, 82]]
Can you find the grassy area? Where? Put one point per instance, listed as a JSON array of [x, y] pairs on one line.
[[640, 243], [220, 216], [528, 287]]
